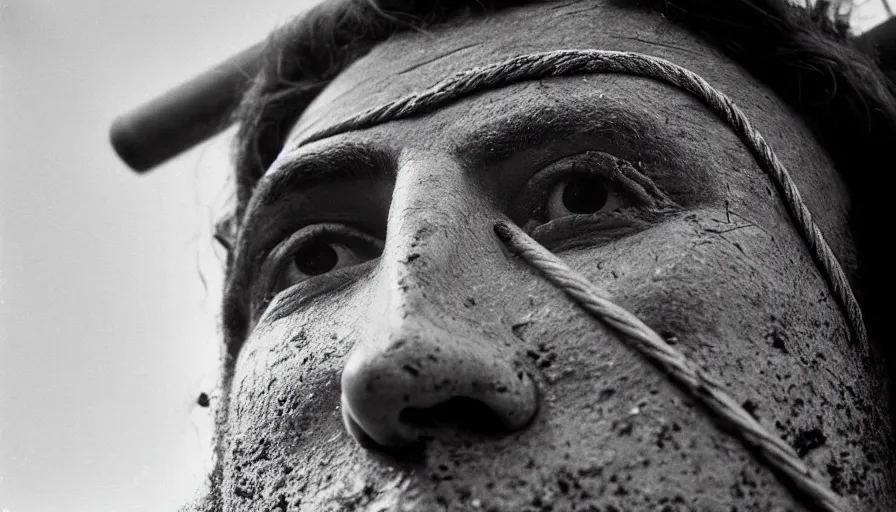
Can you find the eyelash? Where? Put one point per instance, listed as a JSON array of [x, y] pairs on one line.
[[591, 164], [281, 257]]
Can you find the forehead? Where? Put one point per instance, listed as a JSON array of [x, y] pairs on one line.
[[413, 61]]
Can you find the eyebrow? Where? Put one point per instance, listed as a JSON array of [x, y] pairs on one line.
[[345, 160], [342, 161], [492, 142], [500, 139]]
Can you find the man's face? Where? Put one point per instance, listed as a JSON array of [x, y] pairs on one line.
[[386, 311]]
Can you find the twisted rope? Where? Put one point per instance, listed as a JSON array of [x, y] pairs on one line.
[[570, 62], [650, 344]]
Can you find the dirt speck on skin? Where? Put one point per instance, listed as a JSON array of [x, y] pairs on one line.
[[666, 436], [778, 340], [281, 505], [808, 440], [420, 236], [669, 337], [519, 329], [542, 356], [751, 408], [605, 394]]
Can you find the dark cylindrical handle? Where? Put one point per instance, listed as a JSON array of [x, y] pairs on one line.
[[186, 115], [882, 41], [201, 108]]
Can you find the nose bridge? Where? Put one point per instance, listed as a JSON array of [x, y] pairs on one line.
[[436, 237], [429, 197], [415, 352]]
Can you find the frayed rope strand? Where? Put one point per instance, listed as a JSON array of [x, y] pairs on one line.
[[778, 453]]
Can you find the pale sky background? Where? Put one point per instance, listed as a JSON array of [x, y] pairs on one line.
[[107, 334]]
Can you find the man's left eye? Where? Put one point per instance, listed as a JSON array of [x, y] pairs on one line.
[[581, 195], [320, 257]]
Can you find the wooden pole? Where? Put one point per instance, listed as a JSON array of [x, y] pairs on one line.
[[201, 108], [881, 40], [186, 115]]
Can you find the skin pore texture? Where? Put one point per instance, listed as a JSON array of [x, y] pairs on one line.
[[431, 329]]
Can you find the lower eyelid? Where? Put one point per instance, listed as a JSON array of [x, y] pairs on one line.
[[292, 299], [596, 229], [621, 177], [273, 264]]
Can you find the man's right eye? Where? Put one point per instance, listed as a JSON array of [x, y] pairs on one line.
[[320, 257], [317, 250]]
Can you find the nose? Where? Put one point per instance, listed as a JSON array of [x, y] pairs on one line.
[[387, 387], [422, 354]]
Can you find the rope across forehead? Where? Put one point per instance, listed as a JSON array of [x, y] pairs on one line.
[[571, 62]]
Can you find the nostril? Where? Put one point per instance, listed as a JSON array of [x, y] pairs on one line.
[[458, 413], [395, 390]]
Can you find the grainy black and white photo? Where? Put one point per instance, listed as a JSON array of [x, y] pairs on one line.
[[447, 256]]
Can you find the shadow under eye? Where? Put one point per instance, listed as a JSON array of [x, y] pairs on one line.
[[311, 253], [298, 296], [594, 230]]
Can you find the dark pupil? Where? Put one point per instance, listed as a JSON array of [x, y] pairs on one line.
[[584, 195], [316, 259]]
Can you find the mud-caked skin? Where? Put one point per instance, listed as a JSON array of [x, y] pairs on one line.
[[428, 328]]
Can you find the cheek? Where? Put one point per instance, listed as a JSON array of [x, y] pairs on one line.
[[284, 412], [753, 313], [282, 361], [748, 307], [709, 296], [718, 296]]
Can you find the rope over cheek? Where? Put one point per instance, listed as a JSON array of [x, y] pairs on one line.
[[646, 341]]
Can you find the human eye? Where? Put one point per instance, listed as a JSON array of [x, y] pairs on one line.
[[316, 251], [582, 194], [587, 194]]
